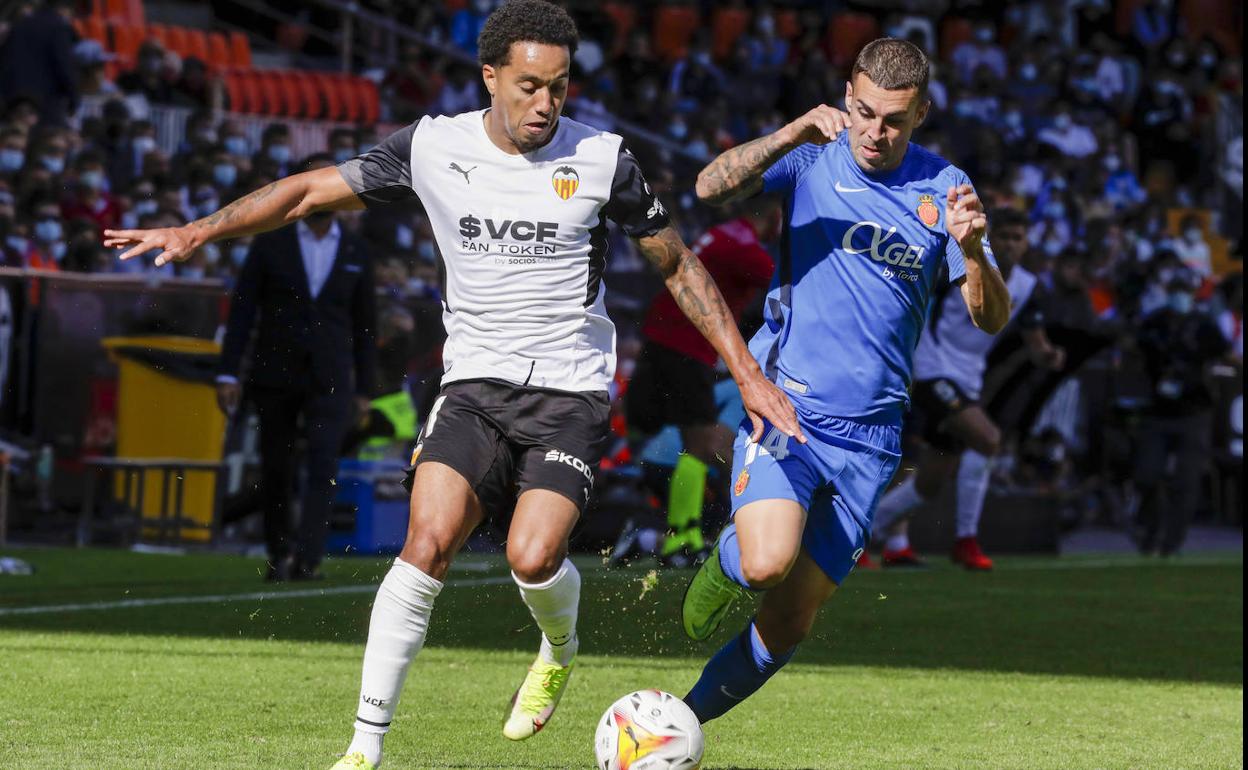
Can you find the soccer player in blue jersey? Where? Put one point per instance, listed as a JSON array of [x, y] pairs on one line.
[[870, 218]]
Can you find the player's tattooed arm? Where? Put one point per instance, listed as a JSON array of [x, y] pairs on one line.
[[272, 206], [738, 173], [703, 304]]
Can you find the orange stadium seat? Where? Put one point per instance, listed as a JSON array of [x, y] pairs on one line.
[[126, 40], [788, 25], [623, 18], [179, 41], [159, 33], [727, 26], [234, 96], [80, 26], [93, 27], [674, 25], [369, 101], [118, 10], [346, 93], [218, 51], [135, 13], [847, 34], [954, 31], [197, 44], [274, 97], [329, 94], [240, 49], [1124, 15], [1220, 21], [313, 105], [252, 93]]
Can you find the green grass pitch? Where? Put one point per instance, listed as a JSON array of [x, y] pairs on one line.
[[192, 662]]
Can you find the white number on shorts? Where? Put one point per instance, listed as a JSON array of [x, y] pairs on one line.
[[775, 443]]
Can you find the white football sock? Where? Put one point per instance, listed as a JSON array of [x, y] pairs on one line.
[[897, 502], [396, 632], [554, 606], [973, 476]]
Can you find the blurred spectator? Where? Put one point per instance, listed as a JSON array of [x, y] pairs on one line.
[[1231, 319], [466, 25], [981, 50], [1070, 138], [695, 80], [91, 57], [1174, 442], [46, 246], [90, 199], [12, 151], [149, 77], [460, 92], [1191, 247], [274, 149], [193, 89], [36, 61]]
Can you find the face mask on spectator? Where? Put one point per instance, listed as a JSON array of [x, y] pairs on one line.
[[17, 243], [702, 58], [92, 180], [678, 130], [48, 230], [1180, 302], [1054, 210], [1028, 72], [984, 34], [343, 154], [425, 251], [279, 153], [206, 135], [1014, 119], [1052, 247], [1165, 275], [766, 25], [53, 163], [1194, 235], [144, 144], [1177, 59], [236, 145], [57, 250], [1112, 163], [1061, 122], [145, 207], [1208, 60], [238, 253], [225, 175], [11, 160]]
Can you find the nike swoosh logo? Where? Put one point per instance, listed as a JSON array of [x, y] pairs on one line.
[[843, 189], [724, 690]]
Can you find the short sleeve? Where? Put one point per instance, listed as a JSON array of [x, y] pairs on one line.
[[384, 173], [633, 205], [785, 173], [954, 258]]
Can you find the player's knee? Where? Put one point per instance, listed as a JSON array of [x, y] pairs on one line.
[[988, 443], [532, 561], [425, 552], [764, 571]]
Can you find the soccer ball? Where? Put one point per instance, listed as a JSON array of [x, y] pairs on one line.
[[648, 730]]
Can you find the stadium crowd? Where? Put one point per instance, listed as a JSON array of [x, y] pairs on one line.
[[1126, 152]]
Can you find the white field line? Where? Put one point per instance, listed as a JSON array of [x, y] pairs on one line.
[[310, 593]]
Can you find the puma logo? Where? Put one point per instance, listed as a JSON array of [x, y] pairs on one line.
[[455, 167]]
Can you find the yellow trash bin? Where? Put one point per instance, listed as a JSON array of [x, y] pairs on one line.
[[167, 408]]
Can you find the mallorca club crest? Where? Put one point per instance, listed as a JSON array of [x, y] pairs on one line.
[[742, 481], [565, 181], [928, 213]]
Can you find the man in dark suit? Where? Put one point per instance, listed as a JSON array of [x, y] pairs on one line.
[[312, 286], [36, 60]]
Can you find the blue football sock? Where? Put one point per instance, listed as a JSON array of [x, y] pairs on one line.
[[730, 556], [735, 672]]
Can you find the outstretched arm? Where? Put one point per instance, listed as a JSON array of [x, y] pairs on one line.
[[701, 302], [738, 173], [277, 204]]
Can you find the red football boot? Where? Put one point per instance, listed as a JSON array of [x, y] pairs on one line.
[[865, 562], [904, 557], [966, 551]]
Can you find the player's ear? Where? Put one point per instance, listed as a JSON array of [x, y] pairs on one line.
[[921, 115], [490, 76], [849, 95]]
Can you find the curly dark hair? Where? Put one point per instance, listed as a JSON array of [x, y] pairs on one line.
[[515, 21]]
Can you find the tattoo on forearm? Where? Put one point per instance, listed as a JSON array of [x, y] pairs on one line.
[[692, 286], [738, 171], [236, 209]]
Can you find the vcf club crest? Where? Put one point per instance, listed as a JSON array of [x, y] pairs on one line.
[[928, 213], [565, 181]]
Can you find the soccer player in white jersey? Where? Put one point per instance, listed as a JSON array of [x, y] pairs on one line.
[[960, 437], [518, 198]]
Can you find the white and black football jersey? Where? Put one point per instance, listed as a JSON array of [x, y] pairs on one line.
[[523, 242], [953, 348]]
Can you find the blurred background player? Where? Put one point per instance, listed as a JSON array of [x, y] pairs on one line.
[[949, 365], [863, 251], [674, 381]]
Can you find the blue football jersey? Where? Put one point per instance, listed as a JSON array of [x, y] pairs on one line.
[[858, 259]]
